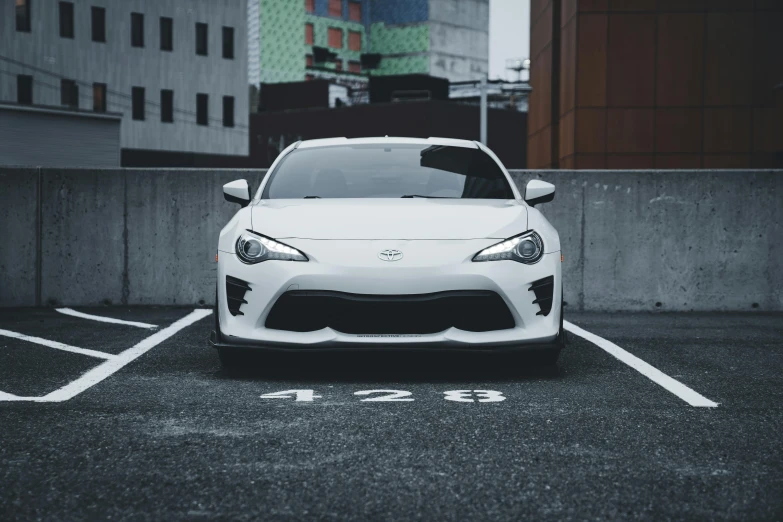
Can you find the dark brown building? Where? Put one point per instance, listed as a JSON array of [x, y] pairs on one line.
[[638, 84]]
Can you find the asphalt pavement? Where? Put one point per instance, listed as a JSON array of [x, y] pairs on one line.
[[128, 422]]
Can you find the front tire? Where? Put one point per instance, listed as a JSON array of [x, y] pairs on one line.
[[550, 356], [230, 358]]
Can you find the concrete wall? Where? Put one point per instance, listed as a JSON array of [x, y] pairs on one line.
[[634, 240]]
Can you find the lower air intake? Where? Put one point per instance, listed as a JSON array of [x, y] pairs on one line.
[[308, 311]]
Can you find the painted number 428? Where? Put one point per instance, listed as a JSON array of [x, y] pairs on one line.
[[392, 395]]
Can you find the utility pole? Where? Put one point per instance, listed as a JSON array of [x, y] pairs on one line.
[[483, 110]]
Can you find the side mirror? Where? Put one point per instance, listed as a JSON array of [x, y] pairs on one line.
[[538, 191], [237, 192]]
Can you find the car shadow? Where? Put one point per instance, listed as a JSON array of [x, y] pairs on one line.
[[403, 366]]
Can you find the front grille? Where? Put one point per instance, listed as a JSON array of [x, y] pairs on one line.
[[307, 311], [235, 292], [543, 288]]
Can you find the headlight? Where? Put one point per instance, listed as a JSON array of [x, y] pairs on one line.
[[253, 248], [526, 248]]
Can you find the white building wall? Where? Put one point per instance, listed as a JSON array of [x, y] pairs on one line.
[[459, 39], [46, 56]]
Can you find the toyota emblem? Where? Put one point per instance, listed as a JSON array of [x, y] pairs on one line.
[[390, 255]]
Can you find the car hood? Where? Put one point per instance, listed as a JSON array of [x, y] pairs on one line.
[[416, 218]]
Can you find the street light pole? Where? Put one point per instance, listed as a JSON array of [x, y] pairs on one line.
[[483, 110]]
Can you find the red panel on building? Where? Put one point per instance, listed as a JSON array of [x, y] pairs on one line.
[[354, 40], [309, 60], [335, 38], [336, 8], [310, 6], [309, 37], [355, 67], [355, 11]]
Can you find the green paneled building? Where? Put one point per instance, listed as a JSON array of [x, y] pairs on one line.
[[288, 39]]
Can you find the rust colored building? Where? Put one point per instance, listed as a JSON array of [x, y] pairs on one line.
[[640, 84]]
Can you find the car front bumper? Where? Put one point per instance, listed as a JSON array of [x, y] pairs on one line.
[[354, 267]]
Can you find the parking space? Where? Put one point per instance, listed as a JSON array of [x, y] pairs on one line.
[[162, 432]]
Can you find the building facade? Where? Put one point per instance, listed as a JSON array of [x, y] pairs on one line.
[[638, 84], [445, 38], [175, 70]]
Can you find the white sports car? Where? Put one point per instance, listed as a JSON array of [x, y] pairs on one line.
[[388, 243]]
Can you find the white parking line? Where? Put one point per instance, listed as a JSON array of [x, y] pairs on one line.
[[105, 369], [56, 345], [74, 313], [674, 386]]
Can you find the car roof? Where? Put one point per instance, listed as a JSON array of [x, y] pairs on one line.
[[333, 142]]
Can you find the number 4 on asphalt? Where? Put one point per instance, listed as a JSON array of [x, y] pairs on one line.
[[299, 395]]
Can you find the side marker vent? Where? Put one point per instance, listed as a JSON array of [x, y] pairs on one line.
[[235, 291], [543, 288]]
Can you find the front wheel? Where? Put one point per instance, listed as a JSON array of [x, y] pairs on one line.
[[550, 356], [230, 358]]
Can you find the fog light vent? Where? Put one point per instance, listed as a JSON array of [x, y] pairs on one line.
[[235, 292], [543, 288]]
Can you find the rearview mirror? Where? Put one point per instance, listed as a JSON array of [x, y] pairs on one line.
[[538, 191], [237, 192]]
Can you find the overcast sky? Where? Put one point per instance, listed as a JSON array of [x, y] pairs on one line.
[[509, 35]]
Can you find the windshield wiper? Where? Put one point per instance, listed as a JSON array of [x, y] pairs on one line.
[[312, 197], [427, 197]]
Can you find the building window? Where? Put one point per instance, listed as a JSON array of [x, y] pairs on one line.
[[201, 39], [355, 67], [354, 40], [137, 103], [309, 35], [228, 43], [23, 15], [66, 20], [336, 8], [335, 38], [99, 97], [167, 106], [202, 109], [166, 33], [137, 30], [24, 89], [228, 111], [355, 11], [338, 65], [308, 60], [69, 94], [310, 6], [98, 24]]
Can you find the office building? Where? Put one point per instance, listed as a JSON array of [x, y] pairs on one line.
[[174, 71]]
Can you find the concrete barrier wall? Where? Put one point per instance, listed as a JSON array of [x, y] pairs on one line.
[[637, 240]]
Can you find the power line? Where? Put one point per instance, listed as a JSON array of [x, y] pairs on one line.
[[87, 97], [110, 91]]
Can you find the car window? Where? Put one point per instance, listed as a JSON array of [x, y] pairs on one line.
[[388, 171]]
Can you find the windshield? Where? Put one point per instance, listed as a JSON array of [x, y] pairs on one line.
[[388, 171]]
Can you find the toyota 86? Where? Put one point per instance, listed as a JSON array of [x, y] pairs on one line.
[[388, 243]]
